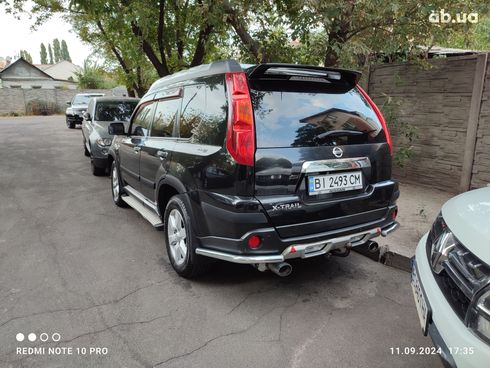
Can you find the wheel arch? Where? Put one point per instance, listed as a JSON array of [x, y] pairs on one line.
[[167, 187]]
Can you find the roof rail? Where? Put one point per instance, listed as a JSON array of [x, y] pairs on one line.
[[217, 67]]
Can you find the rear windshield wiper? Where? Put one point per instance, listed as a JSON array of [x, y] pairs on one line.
[[339, 133]]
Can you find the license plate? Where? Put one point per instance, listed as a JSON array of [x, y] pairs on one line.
[[331, 183], [420, 301]]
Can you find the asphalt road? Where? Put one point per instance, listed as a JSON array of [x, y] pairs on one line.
[[73, 264]]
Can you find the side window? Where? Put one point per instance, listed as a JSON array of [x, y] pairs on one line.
[[193, 107], [165, 117], [142, 120], [204, 109]]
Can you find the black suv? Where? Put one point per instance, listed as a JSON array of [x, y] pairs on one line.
[[257, 164]]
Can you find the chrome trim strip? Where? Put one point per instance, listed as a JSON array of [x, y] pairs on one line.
[[335, 164], [239, 259], [390, 229]]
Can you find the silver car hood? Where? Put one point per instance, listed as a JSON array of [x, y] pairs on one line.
[[468, 217]]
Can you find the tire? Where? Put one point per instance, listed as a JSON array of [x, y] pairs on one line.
[[116, 181], [180, 240], [86, 152], [71, 125], [97, 171]]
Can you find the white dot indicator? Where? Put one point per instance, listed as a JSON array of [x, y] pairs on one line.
[[32, 337], [44, 337], [19, 337], [56, 337]]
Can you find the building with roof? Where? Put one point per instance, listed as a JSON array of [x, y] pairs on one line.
[[64, 70], [22, 74]]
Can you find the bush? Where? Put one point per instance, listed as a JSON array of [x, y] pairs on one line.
[[40, 107], [11, 114]]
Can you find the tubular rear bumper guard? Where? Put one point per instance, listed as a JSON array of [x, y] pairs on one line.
[[303, 250]]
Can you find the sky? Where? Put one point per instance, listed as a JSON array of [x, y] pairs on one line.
[[17, 35]]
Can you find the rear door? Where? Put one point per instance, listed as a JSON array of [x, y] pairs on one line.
[[322, 161], [130, 146], [157, 149]]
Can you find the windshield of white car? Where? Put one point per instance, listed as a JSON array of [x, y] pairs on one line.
[[82, 99]]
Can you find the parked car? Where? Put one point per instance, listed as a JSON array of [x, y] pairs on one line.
[[257, 164], [76, 107], [102, 111], [451, 280]]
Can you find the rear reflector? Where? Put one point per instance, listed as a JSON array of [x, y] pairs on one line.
[[240, 133], [254, 241], [379, 115], [394, 214]]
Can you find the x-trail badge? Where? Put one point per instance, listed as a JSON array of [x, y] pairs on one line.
[[337, 152]]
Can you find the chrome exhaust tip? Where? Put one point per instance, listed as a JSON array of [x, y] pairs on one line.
[[281, 269], [372, 246]]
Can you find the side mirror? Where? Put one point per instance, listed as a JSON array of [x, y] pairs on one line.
[[68, 103], [116, 129], [87, 116]]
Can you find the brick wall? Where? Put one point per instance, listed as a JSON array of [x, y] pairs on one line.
[[16, 99], [436, 100]]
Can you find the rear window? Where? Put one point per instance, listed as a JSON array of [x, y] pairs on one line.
[[114, 110], [306, 119]]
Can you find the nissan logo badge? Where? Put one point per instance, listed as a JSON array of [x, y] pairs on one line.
[[337, 152]]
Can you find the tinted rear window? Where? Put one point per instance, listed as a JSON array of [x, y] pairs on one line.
[[302, 119], [114, 110]]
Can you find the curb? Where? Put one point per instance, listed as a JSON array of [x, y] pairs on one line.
[[385, 256]]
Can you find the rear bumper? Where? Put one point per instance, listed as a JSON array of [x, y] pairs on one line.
[[303, 249]]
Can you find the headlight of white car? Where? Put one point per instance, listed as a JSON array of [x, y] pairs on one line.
[[443, 241], [479, 317], [104, 142]]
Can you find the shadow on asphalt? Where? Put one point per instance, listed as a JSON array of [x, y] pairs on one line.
[[317, 269]]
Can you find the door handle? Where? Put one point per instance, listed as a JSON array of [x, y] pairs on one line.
[[162, 154], [137, 149]]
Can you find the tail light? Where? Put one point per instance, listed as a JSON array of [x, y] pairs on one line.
[[379, 116], [240, 134]]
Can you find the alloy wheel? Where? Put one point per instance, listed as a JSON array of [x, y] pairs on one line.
[[177, 237], [115, 183]]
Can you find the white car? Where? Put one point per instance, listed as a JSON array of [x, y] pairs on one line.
[[451, 281]]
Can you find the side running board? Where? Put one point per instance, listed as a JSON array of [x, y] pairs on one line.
[[146, 211]]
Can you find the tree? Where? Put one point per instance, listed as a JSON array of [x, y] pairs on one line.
[[50, 52], [340, 32], [65, 55], [171, 35], [44, 54], [91, 76], [56, 50], [25, 55], [141, 39]]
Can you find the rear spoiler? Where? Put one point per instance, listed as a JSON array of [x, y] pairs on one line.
[[298, 72]]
